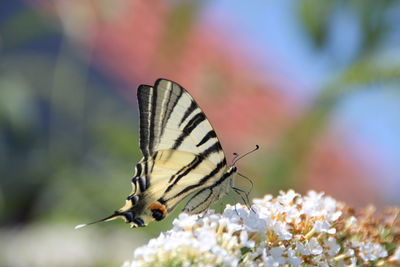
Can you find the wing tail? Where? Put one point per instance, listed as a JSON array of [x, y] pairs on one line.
[[106, 219]]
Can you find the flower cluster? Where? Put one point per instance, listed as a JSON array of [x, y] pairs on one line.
[[289, 230]]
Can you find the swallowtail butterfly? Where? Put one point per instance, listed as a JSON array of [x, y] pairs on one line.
[[181, 156]]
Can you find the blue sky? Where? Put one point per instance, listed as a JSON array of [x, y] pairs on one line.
[[369, 119]]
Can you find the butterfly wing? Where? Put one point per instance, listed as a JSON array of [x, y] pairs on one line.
[[181, 155], [175, 175], [171, 120]]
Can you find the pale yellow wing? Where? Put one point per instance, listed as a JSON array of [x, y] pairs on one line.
[[181, 155]]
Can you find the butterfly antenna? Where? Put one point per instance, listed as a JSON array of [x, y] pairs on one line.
[[244, 155], [235, 155]]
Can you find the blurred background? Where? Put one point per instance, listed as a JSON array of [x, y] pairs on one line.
[[314, 83]]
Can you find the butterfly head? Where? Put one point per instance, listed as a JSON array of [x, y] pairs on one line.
[[232, 169]]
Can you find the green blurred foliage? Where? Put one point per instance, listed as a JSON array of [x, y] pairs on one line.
[[317, 16], [24, 26], [179, 24], [64, 137], [366, 67]]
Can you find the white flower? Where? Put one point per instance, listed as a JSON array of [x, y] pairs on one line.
[[287, 198], [312, 204], [320, 261], [371, 252], [332, 246], [334, 216], [273, 257], [281, 230], [244, 240], [230, 226], [206, 238], [185, 221], [350, 222], [261, 202], [315, 205], [311, 247], [302, 249], [314, 247], [253, 223], [235, 213], [277, 253], [324, 227], [293, 259], [289, 230], [292, 214]]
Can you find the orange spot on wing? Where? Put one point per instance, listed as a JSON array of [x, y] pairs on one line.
[[158, 206]]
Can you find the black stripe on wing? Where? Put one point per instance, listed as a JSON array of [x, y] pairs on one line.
[[202, 181], [196, 162], [190, 126], [167, 110], [176, 91], [144, 101], [208, 136], [213, 192], [198, 195], [153, 115], [171, 93], [189, 111], [156, 104]]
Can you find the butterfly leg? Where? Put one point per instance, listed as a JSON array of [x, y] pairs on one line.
[[231, 197], [245, 199]]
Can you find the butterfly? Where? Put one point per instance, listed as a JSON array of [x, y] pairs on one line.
[[182, 157]]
